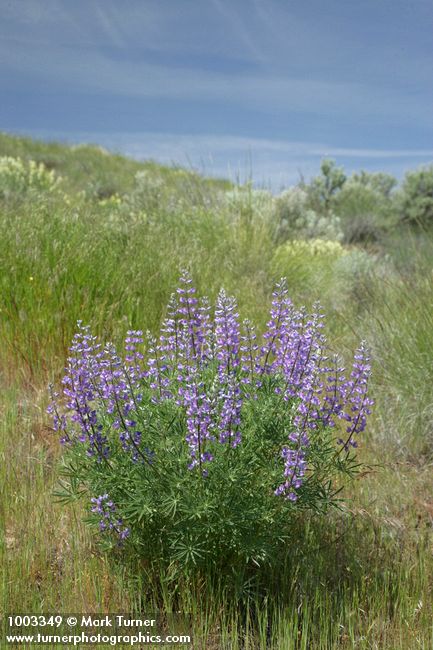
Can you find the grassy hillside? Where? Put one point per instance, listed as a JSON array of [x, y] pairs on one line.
[[102, 238], [91, 168]]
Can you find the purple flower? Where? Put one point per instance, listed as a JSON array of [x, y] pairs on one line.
[[298, 352], [199, 421], [133, 357], [189, 317], [80, 389], [59, 419], [119, 388], [170, 332], [227, 349], [301, 351], [230, 412], [294, 472], [226, 335], [307, 419], [109, 521], [276, 326], [158, 370], [334, 396], [356, 401]]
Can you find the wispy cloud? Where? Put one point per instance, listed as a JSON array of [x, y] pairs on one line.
[[238, 27], [93, 70]]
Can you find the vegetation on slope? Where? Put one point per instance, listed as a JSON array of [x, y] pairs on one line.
[[101, 238]]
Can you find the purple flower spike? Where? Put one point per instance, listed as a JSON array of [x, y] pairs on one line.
[[226, 335], [80, 381], [159, 358], [199, 420], [230, 414], [333, 400], [356, 401], [277, 326], [189, 318], [109, 521], [294, 472]]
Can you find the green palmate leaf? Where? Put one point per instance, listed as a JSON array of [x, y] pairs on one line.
[[188, 551], [170, 505]]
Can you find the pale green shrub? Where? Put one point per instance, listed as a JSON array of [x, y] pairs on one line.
[[308, 264], [19, 178], [324, 189], [296, 220], [313, 248], [354, 272], [416, 196], [366, 205], [245, 201]]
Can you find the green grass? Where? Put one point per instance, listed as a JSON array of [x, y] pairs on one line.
[[360, 578]]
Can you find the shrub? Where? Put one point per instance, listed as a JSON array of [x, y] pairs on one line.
[[290, 208], [312, 247], [295, 219], [379, 182], [323, 189], [359, 198], [416, 198], [246, 202], [354, 274], [309, 265], [19, 178], [362, 229], [200, 452]]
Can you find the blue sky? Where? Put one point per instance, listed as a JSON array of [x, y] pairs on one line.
[[237, 88]]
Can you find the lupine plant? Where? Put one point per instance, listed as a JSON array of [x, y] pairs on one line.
[[199, 447]]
